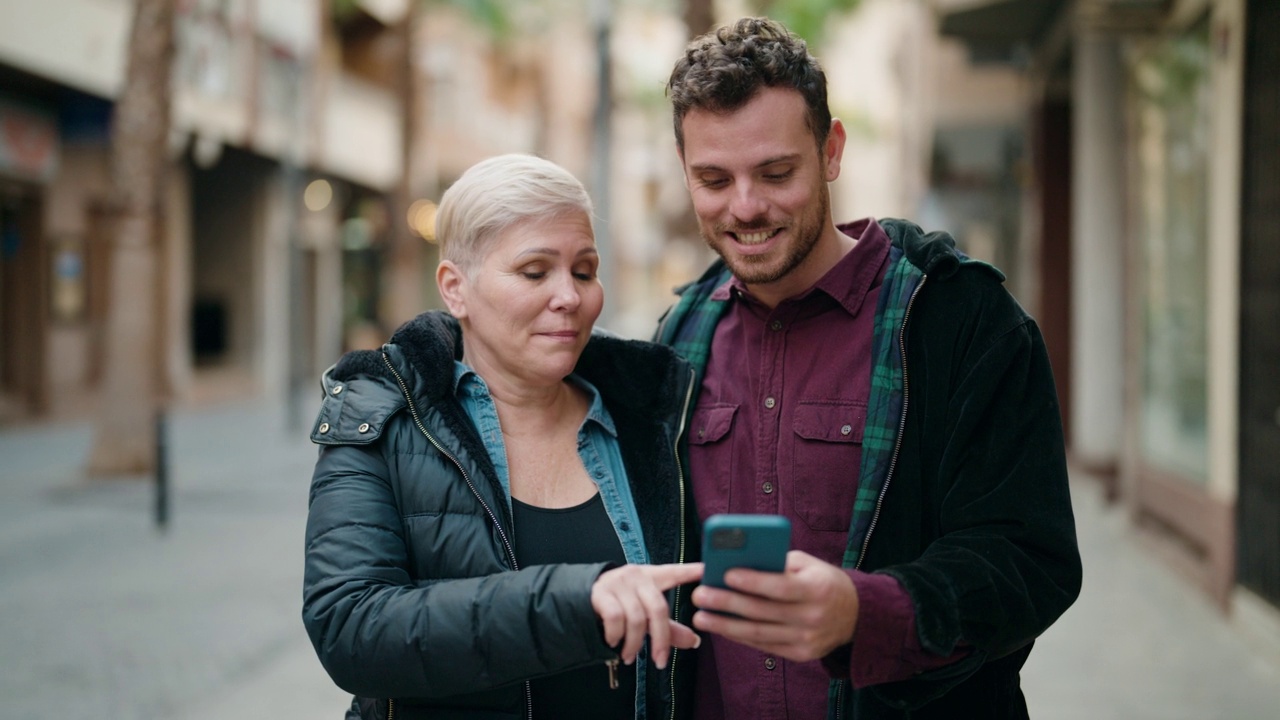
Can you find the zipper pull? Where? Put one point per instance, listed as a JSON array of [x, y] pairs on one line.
[[613, 673]]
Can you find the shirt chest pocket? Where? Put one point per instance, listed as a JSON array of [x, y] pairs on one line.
[[826, 455], [711, 457]]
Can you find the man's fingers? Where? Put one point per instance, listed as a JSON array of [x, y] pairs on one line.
[[776, 586], [747, 606], [747, 632]]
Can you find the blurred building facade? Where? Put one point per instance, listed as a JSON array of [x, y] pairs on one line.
[[310, 141], [273, 102], [1148, 228]]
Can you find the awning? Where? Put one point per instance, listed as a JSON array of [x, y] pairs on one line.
[[1003, 31]]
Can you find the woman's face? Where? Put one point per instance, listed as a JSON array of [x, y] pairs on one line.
[[527, 310]]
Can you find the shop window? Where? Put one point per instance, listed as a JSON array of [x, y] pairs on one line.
[[1171, 99]]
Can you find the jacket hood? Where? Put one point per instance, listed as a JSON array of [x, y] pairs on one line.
[[934, 253]]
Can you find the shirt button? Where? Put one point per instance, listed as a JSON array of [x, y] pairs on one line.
[[846, 429], [337, 389], [324, 428], [770, 664], [364, 427], [767, 487], [776, 325], [770, 402]]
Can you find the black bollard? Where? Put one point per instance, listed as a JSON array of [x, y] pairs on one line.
[[162, 473]]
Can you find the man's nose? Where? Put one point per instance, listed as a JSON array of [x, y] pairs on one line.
[[746, 203]]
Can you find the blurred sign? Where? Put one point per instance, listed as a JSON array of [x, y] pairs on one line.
[[28, 142], [68, 284]]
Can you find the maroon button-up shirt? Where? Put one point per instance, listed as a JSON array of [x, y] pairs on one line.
[[778, 430]]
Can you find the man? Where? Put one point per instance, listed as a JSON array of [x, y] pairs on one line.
[[879, 389]]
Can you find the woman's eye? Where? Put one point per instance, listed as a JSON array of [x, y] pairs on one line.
[[586, 275], [532, 274]]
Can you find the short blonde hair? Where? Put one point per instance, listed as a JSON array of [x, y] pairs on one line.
[[499, 192]]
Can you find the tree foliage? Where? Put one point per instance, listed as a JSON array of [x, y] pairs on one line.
[[806, 18]]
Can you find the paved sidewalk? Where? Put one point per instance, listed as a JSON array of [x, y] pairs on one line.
[[102, 616], [1140, 643]]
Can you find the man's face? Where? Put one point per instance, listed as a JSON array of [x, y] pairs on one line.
[[759, 188]]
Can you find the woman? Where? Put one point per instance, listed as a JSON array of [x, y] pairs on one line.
[[496, 513]]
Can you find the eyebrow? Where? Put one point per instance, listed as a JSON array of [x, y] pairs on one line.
[[552, 251], [789, 157]]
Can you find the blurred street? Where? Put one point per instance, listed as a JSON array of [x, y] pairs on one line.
[[103, 616]]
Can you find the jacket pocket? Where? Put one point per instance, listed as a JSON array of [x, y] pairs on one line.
[[711, 457], [825, 459]]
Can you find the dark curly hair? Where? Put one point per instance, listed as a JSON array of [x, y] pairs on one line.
[[724, 69]]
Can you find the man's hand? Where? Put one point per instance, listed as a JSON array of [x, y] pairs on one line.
[[630, 601], [801, 614]]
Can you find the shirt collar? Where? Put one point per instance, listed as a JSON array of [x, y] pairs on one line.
[[467, 381]]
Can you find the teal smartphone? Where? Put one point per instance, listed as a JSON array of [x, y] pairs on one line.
[[758, 542]]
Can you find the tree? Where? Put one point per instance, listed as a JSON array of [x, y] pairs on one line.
[[806, 18], [404, 274], [124, 438]]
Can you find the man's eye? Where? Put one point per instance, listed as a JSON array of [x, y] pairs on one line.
[[714, 182], [778, 177]]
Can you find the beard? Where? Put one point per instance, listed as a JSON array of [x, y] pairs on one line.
[[805, 231]]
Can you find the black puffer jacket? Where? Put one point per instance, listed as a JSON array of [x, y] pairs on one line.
[[411, 591]]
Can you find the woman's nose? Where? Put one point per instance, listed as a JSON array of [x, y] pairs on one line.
[[565, 295]]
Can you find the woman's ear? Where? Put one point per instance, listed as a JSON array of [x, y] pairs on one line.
[[452, 281]]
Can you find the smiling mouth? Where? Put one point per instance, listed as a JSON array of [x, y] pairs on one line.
[[755, 238]]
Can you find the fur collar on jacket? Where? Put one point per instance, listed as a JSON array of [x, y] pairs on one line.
[[632, 376]]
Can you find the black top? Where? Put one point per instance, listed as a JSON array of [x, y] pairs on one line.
[[582, 534]]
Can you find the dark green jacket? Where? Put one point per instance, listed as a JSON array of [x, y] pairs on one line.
[[411, 590], [962, 493]]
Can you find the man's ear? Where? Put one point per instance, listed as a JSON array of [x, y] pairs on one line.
[[452, 281], [833, 150]]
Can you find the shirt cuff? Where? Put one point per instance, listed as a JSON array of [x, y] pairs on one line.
[[885, 647]]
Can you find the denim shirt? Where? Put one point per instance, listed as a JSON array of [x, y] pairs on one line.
[[597, 446]]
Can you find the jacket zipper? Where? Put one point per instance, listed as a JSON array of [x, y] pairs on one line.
[[902, 423], [675, 606], [893, 460], [511, 555]]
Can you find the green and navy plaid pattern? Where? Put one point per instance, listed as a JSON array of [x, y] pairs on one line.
[[690, 325], [884, 406]]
